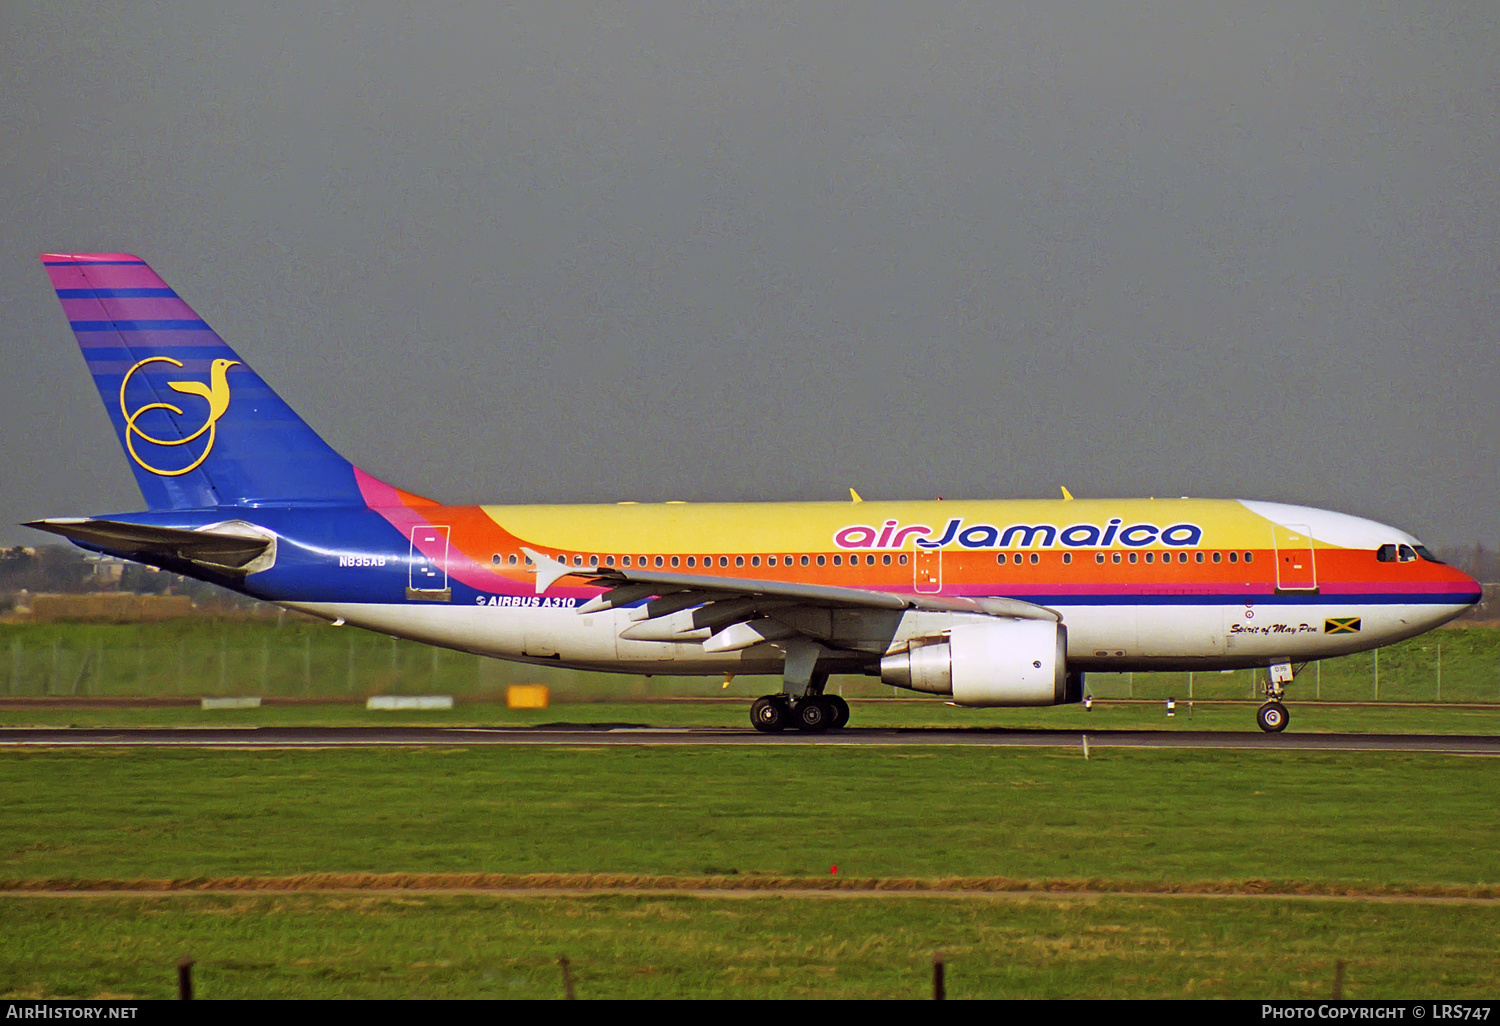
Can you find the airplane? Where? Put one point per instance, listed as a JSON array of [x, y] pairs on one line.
[[981, 603]]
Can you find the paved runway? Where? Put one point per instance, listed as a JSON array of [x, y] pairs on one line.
[[625, 734]]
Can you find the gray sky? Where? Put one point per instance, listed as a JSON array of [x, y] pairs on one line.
[[588, 252]]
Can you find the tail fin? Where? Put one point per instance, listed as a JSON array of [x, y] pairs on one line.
[[200, 428]]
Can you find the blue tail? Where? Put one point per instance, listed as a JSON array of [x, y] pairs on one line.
[[199, 427]]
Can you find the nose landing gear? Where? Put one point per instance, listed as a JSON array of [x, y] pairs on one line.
[[1272, 717]]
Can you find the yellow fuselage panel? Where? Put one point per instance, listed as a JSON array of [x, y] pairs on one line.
[[815, 526]]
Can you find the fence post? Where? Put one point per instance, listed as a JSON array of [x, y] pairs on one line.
[[939, 985], [1377, 675], [1440, 671], [185, 979]]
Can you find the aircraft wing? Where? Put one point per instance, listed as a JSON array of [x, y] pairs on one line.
[[728, 613], [232, 547]]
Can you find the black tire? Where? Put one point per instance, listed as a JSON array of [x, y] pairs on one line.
[[1273, 717], [840, 711], [769, 714], [813, 715]]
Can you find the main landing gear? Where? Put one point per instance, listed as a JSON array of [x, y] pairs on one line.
[[813, 714], [1272, 716], [802, 703]]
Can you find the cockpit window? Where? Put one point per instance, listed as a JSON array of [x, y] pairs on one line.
[[1407, 553], [1426, 553], [1386, 553]]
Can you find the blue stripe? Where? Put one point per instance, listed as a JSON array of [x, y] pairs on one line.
[[138, 326], [92, 263], [116, 294]]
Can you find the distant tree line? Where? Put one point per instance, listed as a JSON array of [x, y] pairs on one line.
[[63, 569]]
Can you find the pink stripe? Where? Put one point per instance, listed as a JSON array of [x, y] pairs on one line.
[[111, 276], [90, 256], [379, 495], [67, 278]]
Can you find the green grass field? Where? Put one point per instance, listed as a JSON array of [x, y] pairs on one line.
[[424, 946], [1384, 823], [1369, 824]]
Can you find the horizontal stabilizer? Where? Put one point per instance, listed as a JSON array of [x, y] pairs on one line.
[[234, 547]]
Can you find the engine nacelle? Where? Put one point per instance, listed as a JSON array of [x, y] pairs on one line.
[[1008, 662]]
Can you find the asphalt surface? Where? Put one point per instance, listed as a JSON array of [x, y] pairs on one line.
[[630, 734]]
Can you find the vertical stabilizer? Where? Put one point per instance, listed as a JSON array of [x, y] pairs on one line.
[[198, 426]]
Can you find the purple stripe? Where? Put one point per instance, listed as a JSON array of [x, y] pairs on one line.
[[88, 311]]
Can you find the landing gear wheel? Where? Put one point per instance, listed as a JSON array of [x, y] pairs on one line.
[[770, 714], [813, 715], [1273, 717], [840, 711]]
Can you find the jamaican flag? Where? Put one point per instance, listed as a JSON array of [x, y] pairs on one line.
[[1341, 625]]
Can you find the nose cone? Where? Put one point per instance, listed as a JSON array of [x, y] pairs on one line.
[[1469, 590]]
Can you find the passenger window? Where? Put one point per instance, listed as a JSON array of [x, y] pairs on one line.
[[512, 559], [1133, 556], [739, 560], [1035, 559], [1098, 557], [1114, 557], [593, 561], [674, 560], [755, 561], [578, 560], [822, 559], [692, 561], [658, 561], [1000, 558], [838, 560], [1150, 557], [1248, 556], [1067, 557], [870, 560], [770, 561], [804, 560], [886, 559], [1234, 557], [902, 559], [1218, 556], [1016, 559], [723, 560], [1198, 557]]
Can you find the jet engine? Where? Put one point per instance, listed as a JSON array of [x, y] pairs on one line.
[[1007, 662]]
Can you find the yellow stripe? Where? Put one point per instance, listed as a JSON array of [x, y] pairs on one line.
[[810, 526]]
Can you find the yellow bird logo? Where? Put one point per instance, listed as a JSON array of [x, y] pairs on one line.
[[215, 393]]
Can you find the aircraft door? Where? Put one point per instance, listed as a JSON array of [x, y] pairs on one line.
[[927, 570], [1295, 566], [427, 575]]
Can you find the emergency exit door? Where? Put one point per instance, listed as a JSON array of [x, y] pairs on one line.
[[927, 570], [427, 574], [1295, 566]]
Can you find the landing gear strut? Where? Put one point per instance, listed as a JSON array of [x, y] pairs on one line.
[[1272, 716]]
